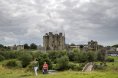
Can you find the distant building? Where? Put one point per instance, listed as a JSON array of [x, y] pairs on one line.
[[20, 47], [116, 49], [113, 53], [17, 47], [71, 47], [54, 41]]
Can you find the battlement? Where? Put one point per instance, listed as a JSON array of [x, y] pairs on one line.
[[53, 41]]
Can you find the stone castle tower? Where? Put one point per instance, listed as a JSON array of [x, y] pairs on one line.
[[54, 41], [93, 45]]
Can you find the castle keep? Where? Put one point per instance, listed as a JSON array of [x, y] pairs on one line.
[[53, 41]]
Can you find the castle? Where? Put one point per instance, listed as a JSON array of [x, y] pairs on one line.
[[93, 45], [54, 41]]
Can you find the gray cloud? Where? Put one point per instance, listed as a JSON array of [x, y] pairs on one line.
[[26, 21]]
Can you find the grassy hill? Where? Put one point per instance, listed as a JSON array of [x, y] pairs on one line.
[[110, 72], [21, 73]]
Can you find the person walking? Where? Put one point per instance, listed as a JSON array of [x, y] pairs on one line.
[[36, 67]]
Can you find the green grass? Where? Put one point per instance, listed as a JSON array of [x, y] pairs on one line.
[[21, 73], [110, 72], [114, 57]]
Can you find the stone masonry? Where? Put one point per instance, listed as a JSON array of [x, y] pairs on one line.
[[54, 41]]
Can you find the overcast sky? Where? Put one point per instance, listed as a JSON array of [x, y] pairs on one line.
[[26, 21]]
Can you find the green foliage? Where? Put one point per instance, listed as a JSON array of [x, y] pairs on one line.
[[92, 56], [8, 55], [33, 46], [2, 58], [101, 55], [82, 57], [110, 60], [26, 46], [53, 55], [4, 48], [12, 64], [116, 45], [75, 66], [62, 63], [101, 66], [75, 50], [31, 66], [43, 57], [25, 59]]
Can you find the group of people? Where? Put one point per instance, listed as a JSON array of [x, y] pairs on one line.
[[44, 68]]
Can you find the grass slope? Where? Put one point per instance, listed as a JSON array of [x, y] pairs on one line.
[[110, 72], [21, 73]]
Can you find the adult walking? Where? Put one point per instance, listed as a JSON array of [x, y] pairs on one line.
[[36, 67]]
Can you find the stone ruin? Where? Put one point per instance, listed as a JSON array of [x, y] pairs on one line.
[[54, 41]]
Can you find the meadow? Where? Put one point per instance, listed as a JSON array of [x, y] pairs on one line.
[[21, 73], [110, 72]]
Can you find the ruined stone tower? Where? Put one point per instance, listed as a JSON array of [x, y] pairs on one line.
[[53, 41], [93, 45]]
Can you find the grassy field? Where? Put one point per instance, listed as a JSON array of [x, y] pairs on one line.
[[20, 73], [110, 72]]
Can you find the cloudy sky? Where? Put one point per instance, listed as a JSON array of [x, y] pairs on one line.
[[26, 21]]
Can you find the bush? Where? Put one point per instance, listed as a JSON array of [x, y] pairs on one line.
[[12, 63], [101, 66], [62, 63], [43, 57], [75, 66], [92, 56], [30, 67], [9, 55], [110, 60], [101, 55], [53, 55], [2, 58], [25, 59]]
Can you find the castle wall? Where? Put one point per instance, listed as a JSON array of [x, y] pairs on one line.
[[54, 41]]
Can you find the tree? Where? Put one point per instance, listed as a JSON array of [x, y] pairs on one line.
[[1, 46], [63, 62], [26, 46], [101, 55], [33, 46], [115, 46], [43, 57], [91, 56], [25, 59]]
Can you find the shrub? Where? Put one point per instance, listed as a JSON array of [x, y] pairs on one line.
[[43, 57], [71, 56], [101, 66], [91, 56], [25, 59], [62, 63], [101, 55], [2, 58], [75, 66], [8, 55], [12, 63], [110, 60], [30, 67]]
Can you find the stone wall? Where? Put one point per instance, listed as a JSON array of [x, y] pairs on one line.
[[53, 41]]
